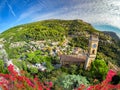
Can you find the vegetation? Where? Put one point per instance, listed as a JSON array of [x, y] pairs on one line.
[[2, 68], [25, 54], [76, 31], [13, 81], [69, 82], [99, 69]]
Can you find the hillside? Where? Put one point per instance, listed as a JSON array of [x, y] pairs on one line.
[[48, 29], [76, 32], [112, 34]]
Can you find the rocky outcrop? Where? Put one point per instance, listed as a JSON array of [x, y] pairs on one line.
[[4, 57]]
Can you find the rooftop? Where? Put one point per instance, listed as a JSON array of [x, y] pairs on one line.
[[73, 58]]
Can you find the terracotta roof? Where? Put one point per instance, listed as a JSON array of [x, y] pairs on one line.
[[73, 58]]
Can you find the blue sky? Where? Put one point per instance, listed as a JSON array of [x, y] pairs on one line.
[[102, 14]]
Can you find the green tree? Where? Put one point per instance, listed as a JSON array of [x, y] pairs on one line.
[[69, 82], [99, 69], [72, 69]]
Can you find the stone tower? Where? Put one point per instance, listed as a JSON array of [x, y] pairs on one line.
[[92, 50]]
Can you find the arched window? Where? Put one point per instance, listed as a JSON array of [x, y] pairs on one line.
[[93, 51]]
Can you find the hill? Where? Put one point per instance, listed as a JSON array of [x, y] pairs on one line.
[[76, 32], [112, 34], [48, 29]]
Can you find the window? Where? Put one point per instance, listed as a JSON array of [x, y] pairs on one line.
[[93, 51]]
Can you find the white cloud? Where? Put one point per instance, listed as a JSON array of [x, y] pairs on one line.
[[31, 11], [93, 11]]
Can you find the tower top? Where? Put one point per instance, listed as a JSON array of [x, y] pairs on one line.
[[94, 38]]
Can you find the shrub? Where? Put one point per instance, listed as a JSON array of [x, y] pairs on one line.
[[104, 85], [99, 69], [14, 81]]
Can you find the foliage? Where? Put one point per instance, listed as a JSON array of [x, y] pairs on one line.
[[14, 81], [3, 69], [33, 70], [104, 85], [35, 57], [81, 42], [99, 69], [1, 65], [77, 31], [69, 82]]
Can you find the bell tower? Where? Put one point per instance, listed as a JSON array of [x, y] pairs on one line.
[[92, 50]]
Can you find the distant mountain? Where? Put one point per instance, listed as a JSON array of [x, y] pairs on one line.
[[112, 34], [76, 31]]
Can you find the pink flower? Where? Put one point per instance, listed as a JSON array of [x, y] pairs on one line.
[[13, 80], [50, 84], [29, 82], [110, 74], [90, 88], [11, 70], [105, 84]]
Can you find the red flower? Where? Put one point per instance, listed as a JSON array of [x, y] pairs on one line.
[[29, 82], [50, 84], [14, 81], [82, 87], [11, 70], [105, 84], [110, 74]]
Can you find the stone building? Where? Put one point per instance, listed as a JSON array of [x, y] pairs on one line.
[[72, 59], [86, 59]]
